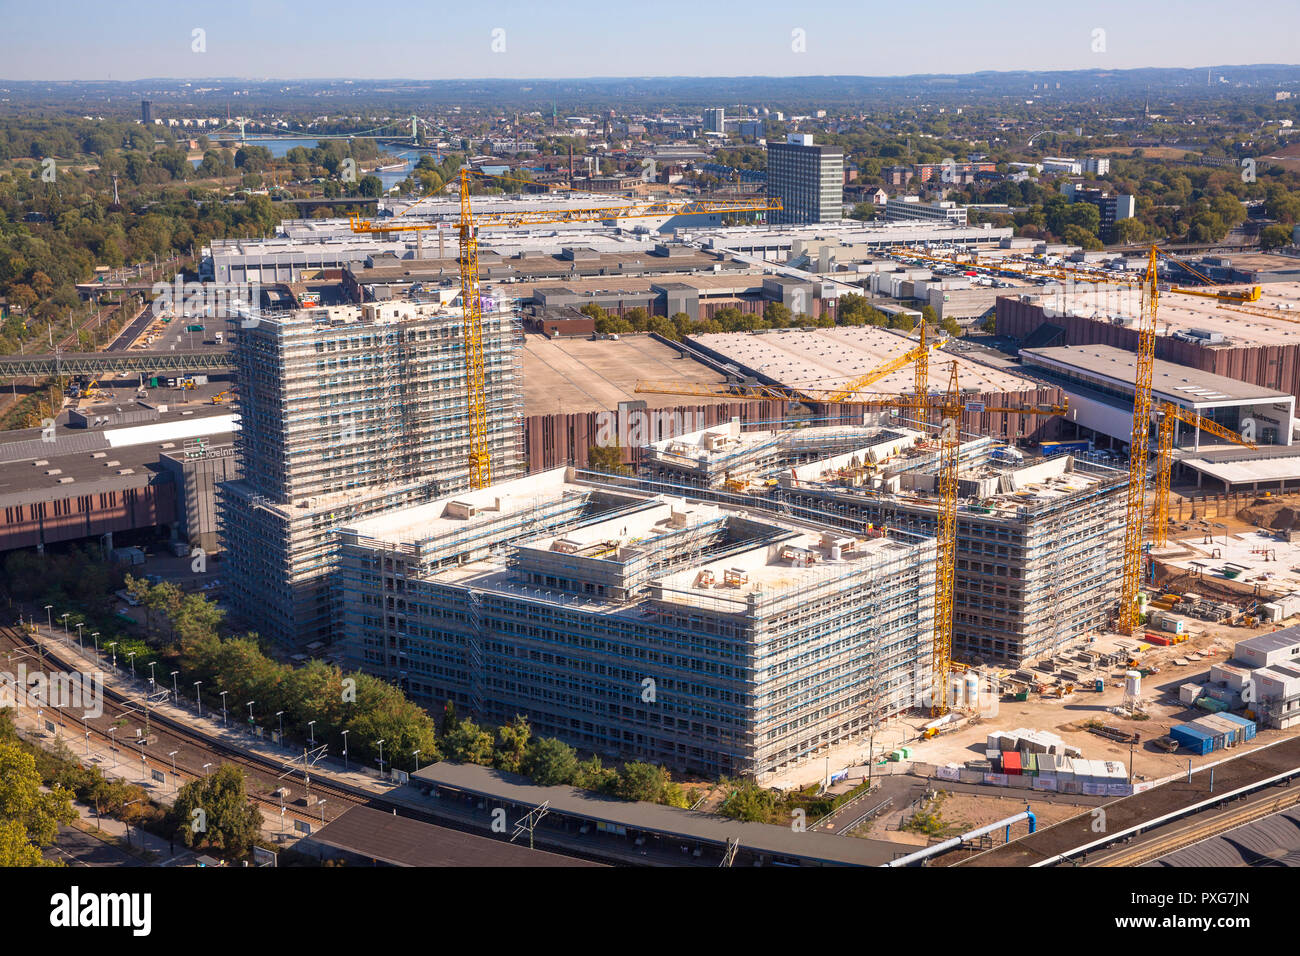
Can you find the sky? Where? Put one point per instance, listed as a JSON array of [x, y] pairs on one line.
[[258, 39]]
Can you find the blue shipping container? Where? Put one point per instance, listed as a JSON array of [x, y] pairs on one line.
[[1193, 738], [1247, 726]]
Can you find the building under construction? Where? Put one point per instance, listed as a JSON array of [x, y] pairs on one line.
[[707, 638], [1038, 540], [346, 412]]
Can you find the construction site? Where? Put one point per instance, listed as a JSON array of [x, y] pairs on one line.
[[1037, 540], [708, 638], [349, 411]]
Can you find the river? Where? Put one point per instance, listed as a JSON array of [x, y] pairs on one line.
[[389, 177]]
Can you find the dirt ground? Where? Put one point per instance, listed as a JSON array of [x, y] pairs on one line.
[[962, 812]]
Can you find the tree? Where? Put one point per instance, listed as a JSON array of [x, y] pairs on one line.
[[607, 458], [512, 744], [749, 802], [1130, 231], [468, 743], [371, 186], [29, 817], [777, 315], [214, 811], [551, 762], [641, 781], [863, 212], [594, 775], [1270, 237]]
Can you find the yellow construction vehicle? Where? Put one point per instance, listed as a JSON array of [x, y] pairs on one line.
[[221, 396]]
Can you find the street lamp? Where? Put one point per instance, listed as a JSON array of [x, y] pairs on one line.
[[416, 756], [205, 768], [112, 746], [152, 665], [175, 775], [80, 625], [176, 691], [279, 715], [131, 656], [112, 646], [250, 712], [381, 758], [65, 617], [345, 751], [311, 731], [223, 707], [128, 822], [49, 623], [95, 635], [198, 699]]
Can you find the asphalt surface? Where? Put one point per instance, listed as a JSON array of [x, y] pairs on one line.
[[75, 848]]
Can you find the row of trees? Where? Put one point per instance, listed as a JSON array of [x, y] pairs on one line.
[[551, 762], [851, 310], [367, 708]]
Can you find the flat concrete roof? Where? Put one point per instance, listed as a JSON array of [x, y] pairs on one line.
[[828, 358], [566, 376], [423, 521], [1178, 383], [1249, 471], [670, 821], [493, 266]]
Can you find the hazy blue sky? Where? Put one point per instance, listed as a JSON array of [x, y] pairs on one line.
[[129, 39]]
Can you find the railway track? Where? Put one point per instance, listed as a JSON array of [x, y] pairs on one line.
[[1155, 849], [193, 746]]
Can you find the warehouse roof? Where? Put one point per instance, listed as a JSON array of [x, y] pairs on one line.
[[1179, 384], [831, 357], [1240, 324]]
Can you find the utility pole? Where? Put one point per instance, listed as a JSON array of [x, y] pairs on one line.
[[530, 820]]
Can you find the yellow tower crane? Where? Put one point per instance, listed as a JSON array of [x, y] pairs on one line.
[[1139, 448], [480, 453], [1248, 294], [1170, 414], [951, 406]]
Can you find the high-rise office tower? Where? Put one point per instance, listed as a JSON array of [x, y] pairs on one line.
[[146, 112], [808, 179], [715, 121], [346, 412]]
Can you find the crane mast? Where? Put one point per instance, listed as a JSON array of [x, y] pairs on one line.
[[1165, 460], [1139, 449], [480, 452]]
